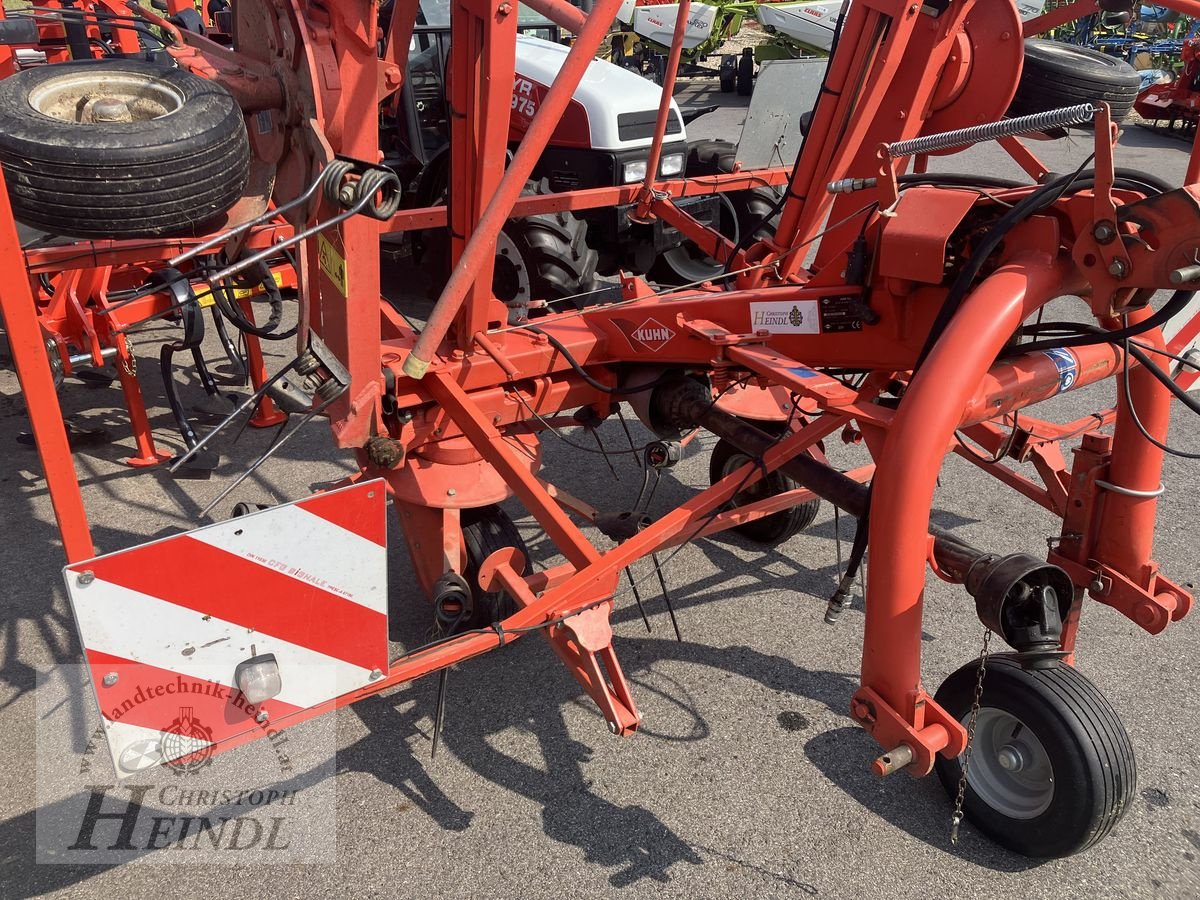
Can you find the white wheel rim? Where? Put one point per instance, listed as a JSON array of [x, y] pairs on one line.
[[1010, 770], [756, 491], [98, 96]]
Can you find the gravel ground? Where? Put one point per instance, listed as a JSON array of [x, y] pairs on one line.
[[748, 779]]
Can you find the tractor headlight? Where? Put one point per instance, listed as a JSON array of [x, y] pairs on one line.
[[634, 171], [672, 164]]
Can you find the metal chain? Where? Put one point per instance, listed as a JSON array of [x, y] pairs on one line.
[[129, 362], [957, 818]]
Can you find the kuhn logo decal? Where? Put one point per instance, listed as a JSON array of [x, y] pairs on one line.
[[653, 334]]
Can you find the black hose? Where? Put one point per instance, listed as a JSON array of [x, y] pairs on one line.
[[1093, 335], [1042, 197], [231, 350], [193, 335], [223, 296]]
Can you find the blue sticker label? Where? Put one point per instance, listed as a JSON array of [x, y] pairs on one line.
[[1068, 367], [801, 372]]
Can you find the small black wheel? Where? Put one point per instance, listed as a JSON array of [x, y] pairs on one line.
[[772, 529], [120, 148], [1057, 75], [728, 73], [745, 73], [1051, 768], [752, 210], [487, 529]]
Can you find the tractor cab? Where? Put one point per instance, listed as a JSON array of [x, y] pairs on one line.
[[603, 140]]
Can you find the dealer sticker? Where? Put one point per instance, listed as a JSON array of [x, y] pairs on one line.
[[1068, 367], [789, 317]]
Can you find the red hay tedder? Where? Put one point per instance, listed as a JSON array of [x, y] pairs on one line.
[[887, 305]]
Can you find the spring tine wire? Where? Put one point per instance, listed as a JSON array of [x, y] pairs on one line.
[[637, 598], [248, 403], [439, 716], [257, 220], [270, 451], [666, 596]]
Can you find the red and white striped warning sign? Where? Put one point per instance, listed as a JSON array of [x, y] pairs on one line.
[[166, 625]]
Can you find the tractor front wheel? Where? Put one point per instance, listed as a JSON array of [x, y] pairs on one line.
[[1051, 769], [741, 212]]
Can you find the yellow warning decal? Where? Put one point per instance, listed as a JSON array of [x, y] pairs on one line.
[[332, 264], [244, 293], [205, 300]]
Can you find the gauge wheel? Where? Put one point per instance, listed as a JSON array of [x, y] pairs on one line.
[[1051, 769], [487, 529], [1055, 75], [772, 529]]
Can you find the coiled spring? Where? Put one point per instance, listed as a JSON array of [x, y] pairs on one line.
[[377, 193], [977, 134]]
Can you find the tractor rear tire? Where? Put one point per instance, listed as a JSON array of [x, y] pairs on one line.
[[1057, 75], [543, 257], [166, 156], [740, 211]]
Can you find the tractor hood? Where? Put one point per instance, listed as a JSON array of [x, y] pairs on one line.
[[612, 109]]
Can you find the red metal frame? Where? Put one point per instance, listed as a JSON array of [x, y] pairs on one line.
[[469, 384]]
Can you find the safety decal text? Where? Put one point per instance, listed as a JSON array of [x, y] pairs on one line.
[[332, 264]]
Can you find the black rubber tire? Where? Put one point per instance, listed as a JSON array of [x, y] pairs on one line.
[[1057, 75], [1090, 755], [745, 74], [554, 248], [728, 81], [772, 529], [487, 529], [752, 210], [166, 177]]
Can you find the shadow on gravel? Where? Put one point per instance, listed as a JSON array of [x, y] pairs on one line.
[[631, 839]]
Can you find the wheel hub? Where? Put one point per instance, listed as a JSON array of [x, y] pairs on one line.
[[1010, 758]]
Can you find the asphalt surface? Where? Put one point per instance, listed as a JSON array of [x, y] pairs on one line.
[[748, 777]]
